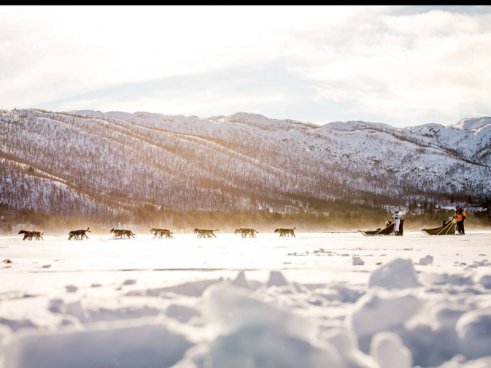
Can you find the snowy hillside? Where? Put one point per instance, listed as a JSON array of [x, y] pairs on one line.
[[91, 162]]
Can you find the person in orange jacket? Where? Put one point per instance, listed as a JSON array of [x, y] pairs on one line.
[[460, 215]]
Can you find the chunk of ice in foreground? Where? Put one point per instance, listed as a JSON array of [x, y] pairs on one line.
[[357, 261], [397, 274], [389, 351], [276, 278], [427, 260], [152, 346], [376, 312], [240, 280], [344, 340], [485, 281], [253, 333], [474, 330], [457, 362]]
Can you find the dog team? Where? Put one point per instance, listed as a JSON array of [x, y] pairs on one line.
[[157, 233]]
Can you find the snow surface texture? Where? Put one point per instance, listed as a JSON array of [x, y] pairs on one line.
[[265, 302]]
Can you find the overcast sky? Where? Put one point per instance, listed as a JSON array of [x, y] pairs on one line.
[[398, 65]]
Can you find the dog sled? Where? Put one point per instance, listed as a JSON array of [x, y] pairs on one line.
[[387, 230], [448, 228]]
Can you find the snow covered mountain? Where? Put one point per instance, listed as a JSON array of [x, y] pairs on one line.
[[88, 162]]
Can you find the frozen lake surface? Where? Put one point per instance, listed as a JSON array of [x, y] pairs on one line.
[[317, 300]]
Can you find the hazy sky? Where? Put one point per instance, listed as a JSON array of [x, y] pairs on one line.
[[399, 65]]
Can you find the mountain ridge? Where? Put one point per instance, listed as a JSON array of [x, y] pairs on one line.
[[114, 161]]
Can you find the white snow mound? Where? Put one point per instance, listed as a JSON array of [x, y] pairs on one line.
[[357, 261], [389, 351], [276, 278], [397, 274], [230, 308], [127, 347], [344, 340], [427, 260], [253, 331], [376, 313], [485, 281], [240, 280], [474, 330]]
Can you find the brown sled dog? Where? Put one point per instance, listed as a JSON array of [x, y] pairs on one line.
[[78, 234], [205, 233], [120, 233], [244, 231], [286, 232], [159, 233], [29, 235]]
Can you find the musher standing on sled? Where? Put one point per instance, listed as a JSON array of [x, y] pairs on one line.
[[460, 215], [397, 220]]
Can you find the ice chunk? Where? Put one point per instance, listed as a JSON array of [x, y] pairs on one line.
[[344, 340], [429, 347], [476, 264], [389, 351], [56, 305], [337, 292], [478, 363], [485, 281], [17, 324], [375, 313], [446, 316], [131, 346], [347, 295], [76, 309], [181, 312], [357, 261], [459, 362], [191, 288], [230, 308], [276, 278], [474, 330], [87, 313], [268, 346], [71, 321], [254, 333], [397, 274], [71, 288], [96, 314], [240, 280], [427, 260], [447, 279], [433, 339]]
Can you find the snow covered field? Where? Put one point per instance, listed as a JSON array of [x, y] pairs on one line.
[[317, 300]]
